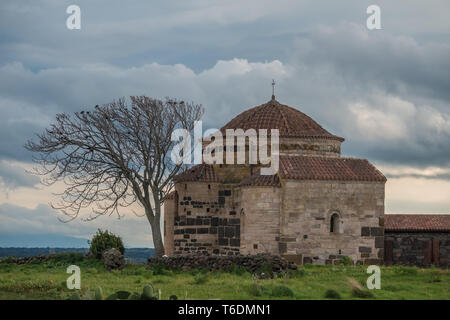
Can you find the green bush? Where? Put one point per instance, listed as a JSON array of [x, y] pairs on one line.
[[158, 269], [282, 291], [66, 258], [265, 268], [201, 278], [104, 240], [347, 261], [361, 293], [255, 289], [332, 294], [237, 270]]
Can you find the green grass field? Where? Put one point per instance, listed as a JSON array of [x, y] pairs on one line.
[[48, 281]]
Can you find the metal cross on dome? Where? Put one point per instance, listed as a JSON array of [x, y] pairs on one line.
[[273, 89]]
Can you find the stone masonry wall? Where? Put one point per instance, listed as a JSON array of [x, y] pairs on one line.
[[260, 220], [307, 208], [168, 228], [419, 249], [314, 147], [206, 221]]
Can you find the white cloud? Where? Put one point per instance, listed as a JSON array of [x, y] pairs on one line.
[[417, 195]]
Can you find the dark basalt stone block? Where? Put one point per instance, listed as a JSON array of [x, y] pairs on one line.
[[376, 231], [365, 231], [190, 230], [235, 242], [229, 232], [223, 241], [365, 249], [202, 230], [379, 242]]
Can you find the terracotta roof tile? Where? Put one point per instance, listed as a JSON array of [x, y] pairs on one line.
[[417, 222], [200, 172], [289, 121], [318, 168], [262, 181]]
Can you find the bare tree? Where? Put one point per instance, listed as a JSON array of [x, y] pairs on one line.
[[114, 156]]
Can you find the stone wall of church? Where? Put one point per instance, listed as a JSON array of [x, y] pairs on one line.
[[260, 220], [307, 208], [168, 227], [313, 147], [206, 220]]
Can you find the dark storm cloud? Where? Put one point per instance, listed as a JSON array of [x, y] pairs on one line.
[[389, 96], [385, 91], [397, 64]]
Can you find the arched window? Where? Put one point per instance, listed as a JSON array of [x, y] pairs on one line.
[[334, 223]]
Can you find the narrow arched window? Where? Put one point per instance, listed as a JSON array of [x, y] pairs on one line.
[[334, 223]]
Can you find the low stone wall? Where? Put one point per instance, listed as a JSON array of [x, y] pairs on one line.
[[417, 249], [251, 263], [25, 260]]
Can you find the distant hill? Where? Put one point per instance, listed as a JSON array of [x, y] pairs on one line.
[[40, 241], [137, 255]]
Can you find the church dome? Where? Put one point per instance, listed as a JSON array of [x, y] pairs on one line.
[[290, 122]]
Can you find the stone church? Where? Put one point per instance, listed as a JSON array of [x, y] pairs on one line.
[[318, 208]]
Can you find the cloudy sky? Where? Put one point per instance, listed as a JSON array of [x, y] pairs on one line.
[[386, 91]]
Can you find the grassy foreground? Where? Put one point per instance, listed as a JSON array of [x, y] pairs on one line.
[[48, 281]]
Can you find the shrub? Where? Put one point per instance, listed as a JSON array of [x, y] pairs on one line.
[[282, 291], [237, 270], [347, 261], [265, 268], [201, 278], [104, 240], [67, 258], [255, 289], [158, 269], [332, 294], [361, 293]]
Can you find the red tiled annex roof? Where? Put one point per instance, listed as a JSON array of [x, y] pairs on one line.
[[273, 115], [318, 168], [417, 222], [263, 181], [200, 172]]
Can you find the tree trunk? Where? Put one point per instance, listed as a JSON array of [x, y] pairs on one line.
[[155, 223], [157, 239]]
